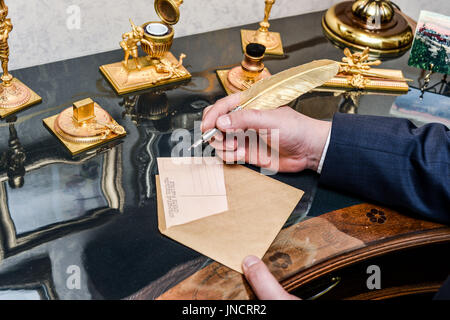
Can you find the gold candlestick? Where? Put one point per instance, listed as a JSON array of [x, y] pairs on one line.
[[271, 40], [14, 95], [159, 67]]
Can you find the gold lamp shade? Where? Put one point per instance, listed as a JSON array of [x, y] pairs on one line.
[[376, 24]]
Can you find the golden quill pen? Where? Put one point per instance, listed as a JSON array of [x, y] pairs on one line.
[[282, 88]]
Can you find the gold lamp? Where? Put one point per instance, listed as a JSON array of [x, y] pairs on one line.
[[376, 24]]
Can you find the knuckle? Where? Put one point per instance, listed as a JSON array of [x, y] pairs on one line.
[[254, 115]]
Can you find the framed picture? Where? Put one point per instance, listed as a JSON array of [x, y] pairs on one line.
[[431, 46]]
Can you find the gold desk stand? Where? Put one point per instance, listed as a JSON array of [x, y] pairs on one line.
[[14, 95], [271, 40], [32, 100], [84, 126], [223, 78], [251, 70], [126, 80], [155, 38]]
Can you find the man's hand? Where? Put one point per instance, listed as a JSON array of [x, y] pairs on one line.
[[264, 284], [301, 139]]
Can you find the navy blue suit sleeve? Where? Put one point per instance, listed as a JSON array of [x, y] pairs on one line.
[[391, 161]]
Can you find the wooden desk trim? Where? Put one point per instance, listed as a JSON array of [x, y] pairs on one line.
[[316, 247]]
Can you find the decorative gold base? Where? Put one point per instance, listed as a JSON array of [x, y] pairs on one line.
[[63, 127], [230, 88], [372, 83], [342, 28], [271, 40], [20, 98], [129, 79]]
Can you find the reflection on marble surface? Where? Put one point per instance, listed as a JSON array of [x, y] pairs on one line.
[[13, 159], [422, 109], [60, 196], [19, 295], [62, 192], [28, 280]]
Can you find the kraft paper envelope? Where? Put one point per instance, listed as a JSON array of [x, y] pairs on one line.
[[258, 207]]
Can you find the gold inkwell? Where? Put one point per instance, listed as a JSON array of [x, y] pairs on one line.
[[271, 40], [159, 67], [251, 70], [84, 126], [14, 95]]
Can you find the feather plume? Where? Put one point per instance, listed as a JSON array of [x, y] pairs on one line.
[[286, 86]]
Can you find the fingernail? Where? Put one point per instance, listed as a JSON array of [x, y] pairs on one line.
[[250, 261], [224, 122]]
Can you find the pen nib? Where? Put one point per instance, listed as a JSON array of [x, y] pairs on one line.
[[195, 145]]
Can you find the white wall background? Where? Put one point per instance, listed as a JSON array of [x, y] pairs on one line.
[[41, 33]]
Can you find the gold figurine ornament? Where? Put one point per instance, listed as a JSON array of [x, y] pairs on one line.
[[129, 44], [84, 126], [271, 40], [14, 95], [155, 38]]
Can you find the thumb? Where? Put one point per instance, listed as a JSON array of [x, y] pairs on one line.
[[264, 284]]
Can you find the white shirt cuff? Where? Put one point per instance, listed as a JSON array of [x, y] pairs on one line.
[[324, 153]]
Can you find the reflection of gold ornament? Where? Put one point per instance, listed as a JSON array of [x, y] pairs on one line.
[[159, 66], [271, 40], [249, 72], [376, 24], [14, 95], [83, 126]]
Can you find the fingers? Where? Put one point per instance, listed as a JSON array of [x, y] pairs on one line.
[[263, 283], [221, 107], [230, 151], [253, 119], [232, 156]]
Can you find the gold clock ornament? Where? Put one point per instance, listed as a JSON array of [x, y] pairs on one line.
[[14, 95], [159, 66], [271, 40], [84, 126]]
